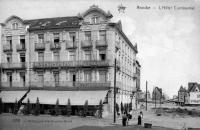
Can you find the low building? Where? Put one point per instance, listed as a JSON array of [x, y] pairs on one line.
[[193, 94], [182, 95], [157, 94]]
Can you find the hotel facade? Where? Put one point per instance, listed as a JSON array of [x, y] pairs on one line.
[[65, 58]]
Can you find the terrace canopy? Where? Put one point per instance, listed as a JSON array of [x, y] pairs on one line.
[[76, 97], [11, 96]]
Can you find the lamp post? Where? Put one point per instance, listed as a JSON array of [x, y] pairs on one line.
[[115, 90]]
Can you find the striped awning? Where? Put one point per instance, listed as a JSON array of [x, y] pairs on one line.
[[11, 96], [76, 97]]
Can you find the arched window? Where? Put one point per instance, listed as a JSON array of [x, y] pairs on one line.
[[15, 25]]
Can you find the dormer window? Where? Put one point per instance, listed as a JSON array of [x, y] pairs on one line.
[[95, 19], [15, 25]]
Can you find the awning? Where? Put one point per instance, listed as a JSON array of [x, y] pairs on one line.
[[76, 97], [11, 96]]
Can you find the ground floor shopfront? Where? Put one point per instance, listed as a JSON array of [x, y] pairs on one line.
[[78, 98]]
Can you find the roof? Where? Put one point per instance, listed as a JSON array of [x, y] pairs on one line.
[[118, 26], [192, 87], [96, 8], [182, 89], [53, 23]]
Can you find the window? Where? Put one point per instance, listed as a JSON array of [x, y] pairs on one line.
[[102, 35], [22, 57], [22, 78], [40, 56], [41, 38], [9, 79], [56, 38], [102, 76], [72, 56], [72, 36], [40, 78], [73, 78], [9, 41], [22, 41], [9, 58], [87, 55], [15, 25], [88, 76], [56, 56], [88, 35], [102, 55], [56, 77], [95, 19]]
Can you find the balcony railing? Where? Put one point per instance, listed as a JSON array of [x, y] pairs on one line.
[[7, 47], [71, 45], [55, 46], [21, 65], [86, 43], [39, 46], [70, 84], [67, 64], [101, 43], [21, 47]]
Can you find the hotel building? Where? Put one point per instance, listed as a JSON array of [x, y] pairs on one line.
[[68, 58]]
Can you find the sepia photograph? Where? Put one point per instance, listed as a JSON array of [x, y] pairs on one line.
[[99, 64]]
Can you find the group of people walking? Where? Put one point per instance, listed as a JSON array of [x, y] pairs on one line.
[[127, 116]]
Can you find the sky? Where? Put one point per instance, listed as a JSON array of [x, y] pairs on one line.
[[167, 33]]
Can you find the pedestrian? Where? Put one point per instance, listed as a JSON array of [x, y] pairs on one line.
[[124, 119], [140, 118]]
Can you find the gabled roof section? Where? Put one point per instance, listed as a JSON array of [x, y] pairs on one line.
[[195, 87], [53, 23], [12, 17], [182, 89], [96, 8]]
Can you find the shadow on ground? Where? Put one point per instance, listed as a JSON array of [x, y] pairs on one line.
[[119, 127]]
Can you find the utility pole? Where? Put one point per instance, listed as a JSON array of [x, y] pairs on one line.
[[155, 96], [160, 96], [115, 91], [146, 95]]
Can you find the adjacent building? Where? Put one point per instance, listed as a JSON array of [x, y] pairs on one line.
[[182, 94], [193, 95], [68, 58]]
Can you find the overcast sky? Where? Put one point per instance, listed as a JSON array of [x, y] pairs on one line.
[[168, 40]]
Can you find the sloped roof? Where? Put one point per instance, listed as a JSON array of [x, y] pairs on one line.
[[193, 88], [182, 89], [96, 8], [53, 23]]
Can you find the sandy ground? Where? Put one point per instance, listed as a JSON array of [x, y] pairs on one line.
[[47, 122], [170, 120]]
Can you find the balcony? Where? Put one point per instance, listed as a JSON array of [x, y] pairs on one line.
[[101, 43], [71, 45], [7, 48], [21, 47], [86, 44], [21, 65], [70, 85], [70, 64], [55, 46], [39, 46]]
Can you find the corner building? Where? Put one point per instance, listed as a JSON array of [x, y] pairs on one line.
[[65, 58]]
